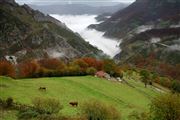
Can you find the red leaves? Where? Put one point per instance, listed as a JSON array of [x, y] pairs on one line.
[[28, 68], [92, 62], [7, 69], [52, 64]]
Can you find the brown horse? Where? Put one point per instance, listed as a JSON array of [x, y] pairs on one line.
[[73, 104]]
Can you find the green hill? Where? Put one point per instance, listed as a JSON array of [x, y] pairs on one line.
[[124, 97]]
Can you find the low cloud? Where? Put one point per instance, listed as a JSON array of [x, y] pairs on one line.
[[79, 24]]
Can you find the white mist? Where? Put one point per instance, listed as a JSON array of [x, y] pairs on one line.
[[79, 24]]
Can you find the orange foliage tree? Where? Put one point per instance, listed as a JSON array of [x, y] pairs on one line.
[[28, 69], [7, 69], [81, 63], [52, 64], [92, 62]]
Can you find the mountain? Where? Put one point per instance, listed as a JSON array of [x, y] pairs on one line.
[[146, 27], [78, 9], [26, 33]]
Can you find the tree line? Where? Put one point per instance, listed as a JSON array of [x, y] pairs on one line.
[[52, 67]]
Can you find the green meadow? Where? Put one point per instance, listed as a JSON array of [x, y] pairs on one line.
[[124, 97]]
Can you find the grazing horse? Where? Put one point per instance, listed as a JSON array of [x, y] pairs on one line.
[[42, 88], [73, 104]]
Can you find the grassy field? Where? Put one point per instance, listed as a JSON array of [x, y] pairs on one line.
[[67, 89]]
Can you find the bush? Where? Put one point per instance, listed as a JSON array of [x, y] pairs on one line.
[[48, 106], [138, 116], [28, 114], [166, 107], [95, 110], [50, 117], [6, 103], [9, 102], [7, 69], [176, 86], [91, 71]]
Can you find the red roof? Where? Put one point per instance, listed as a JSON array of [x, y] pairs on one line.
[[100, 74]]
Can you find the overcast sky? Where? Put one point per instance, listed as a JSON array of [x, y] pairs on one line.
[[67, 1]]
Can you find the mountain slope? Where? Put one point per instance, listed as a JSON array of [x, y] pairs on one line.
[[146, 27], [26, 33], [139, 13]]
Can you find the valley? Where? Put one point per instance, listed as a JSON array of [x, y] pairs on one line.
[[79, 24], [90, 60]]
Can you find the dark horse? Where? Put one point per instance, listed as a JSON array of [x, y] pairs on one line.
[[42, 88], [74, 104]]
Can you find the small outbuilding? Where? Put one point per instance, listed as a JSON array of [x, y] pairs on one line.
[[102, 74]]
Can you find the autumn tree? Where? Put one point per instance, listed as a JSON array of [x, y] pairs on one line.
[[109, 66], [81, 63], [118, 72], [28, 68], [92, 62], [52, 64], [7, 69], [73, 70], [91, 71]]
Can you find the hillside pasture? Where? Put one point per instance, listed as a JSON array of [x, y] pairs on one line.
[[71, 89]]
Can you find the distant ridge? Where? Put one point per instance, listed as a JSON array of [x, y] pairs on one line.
[[142, 26]]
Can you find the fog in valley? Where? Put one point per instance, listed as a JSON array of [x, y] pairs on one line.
[[79, 24]]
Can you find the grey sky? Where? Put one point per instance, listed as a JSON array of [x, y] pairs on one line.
[[67, 1]]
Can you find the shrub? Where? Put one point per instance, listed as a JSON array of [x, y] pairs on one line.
[[27, 114], [138, 116], [95, 110], [9, 102], [166, 107], [1, 103], [91, 71], [176, 86], [51, 117], [7, 69], [48, 105]]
